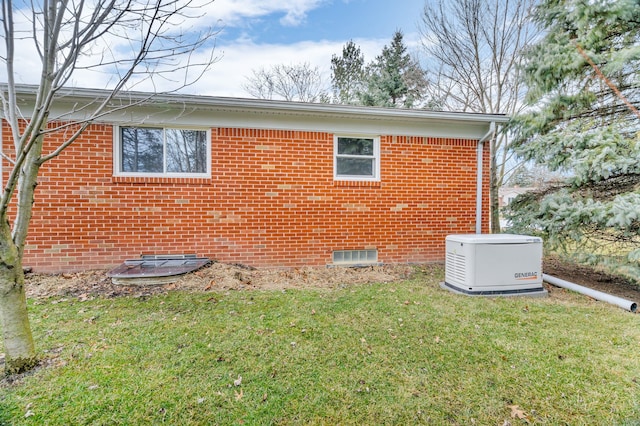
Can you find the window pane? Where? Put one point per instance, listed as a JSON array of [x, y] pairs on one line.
[[186, 151], [141, 150], [355, 166], [355, 146]]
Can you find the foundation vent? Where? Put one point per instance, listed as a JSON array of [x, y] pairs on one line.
[[355, 257]]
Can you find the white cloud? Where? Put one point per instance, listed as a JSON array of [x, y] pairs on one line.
[[237, 59], [236, 12], [229, 74], [226, 77]]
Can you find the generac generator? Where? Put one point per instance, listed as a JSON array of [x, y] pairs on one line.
[[494, 265]]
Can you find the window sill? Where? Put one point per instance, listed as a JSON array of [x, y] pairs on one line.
[[161, 180], [358, 183]]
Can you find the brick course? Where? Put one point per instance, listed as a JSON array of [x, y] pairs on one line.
[[271, 201]]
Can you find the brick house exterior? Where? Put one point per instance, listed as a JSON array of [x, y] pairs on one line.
[[270, 195]]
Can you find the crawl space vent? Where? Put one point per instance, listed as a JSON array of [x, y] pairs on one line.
[[355, 257]]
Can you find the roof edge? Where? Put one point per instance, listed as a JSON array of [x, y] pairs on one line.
[[206, 102]]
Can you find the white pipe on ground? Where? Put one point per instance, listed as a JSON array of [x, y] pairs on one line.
[[598, 295]]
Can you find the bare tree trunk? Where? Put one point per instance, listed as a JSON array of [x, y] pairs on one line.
[[20, 354]]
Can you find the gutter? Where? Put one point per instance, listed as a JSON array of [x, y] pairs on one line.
[[491, 133]]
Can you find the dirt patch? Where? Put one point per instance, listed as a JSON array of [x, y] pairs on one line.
[[217, 276], [592, 278], [222, 277]]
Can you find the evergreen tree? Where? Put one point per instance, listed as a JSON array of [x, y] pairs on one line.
[[348, 74], [584, 89], [394, 79]]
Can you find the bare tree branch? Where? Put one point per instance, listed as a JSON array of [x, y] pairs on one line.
[[298, 82], [474, 48]]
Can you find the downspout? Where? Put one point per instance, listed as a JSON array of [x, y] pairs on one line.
[[489, 135]]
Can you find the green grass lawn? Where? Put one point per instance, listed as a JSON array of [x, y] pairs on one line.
[[402, 353]]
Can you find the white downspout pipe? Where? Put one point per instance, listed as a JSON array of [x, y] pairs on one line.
[[598, 295], [490, 134]]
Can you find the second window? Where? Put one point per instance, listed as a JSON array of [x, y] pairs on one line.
[[356, 158]]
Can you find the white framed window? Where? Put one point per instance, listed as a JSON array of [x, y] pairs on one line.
[[356, 158], [162, 151]]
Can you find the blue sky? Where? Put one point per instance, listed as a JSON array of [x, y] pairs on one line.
[[257, 34], [336, 20]]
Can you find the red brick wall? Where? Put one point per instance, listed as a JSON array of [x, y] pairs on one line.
[[271, 201]]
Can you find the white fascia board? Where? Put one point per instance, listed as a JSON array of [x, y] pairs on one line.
[[205, 111], [304, 122]]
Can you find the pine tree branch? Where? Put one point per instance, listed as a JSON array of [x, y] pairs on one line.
[[606, 80]]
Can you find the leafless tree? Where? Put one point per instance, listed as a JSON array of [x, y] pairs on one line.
[[473, 49], [132, 41], [297, 82]]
